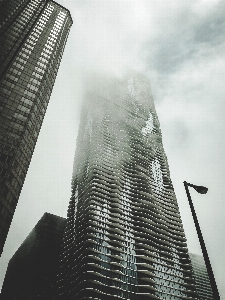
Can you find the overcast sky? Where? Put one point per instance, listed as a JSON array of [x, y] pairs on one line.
[[179, 45]]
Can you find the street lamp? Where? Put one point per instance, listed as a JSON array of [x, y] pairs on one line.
[[202, 190]]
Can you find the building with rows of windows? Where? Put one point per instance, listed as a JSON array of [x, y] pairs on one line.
[[124, 237], [201, 276], [33, 35]]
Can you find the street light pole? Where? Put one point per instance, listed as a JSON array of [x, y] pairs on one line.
[[202, 190]]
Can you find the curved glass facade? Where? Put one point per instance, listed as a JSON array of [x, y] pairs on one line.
[[124, 237]]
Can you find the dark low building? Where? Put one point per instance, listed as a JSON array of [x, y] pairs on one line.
[[32, 270], [203, 285]]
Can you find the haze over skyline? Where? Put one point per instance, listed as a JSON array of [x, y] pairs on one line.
[[179, 45]]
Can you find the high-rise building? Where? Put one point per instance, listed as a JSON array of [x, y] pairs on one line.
[[31, 272], [201, 276], [123, 237], [33, 35]]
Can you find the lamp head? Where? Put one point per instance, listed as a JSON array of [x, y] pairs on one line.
[[200, 189]]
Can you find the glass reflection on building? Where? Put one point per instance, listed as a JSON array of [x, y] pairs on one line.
[[33, 35]]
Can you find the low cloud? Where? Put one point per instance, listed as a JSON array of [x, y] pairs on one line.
[[179, 45]]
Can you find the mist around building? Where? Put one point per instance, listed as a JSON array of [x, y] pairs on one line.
[[123, 236]]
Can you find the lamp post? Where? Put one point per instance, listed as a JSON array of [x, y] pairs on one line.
[[202, 190]]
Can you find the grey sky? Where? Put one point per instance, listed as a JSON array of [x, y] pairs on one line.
[[179, 45]]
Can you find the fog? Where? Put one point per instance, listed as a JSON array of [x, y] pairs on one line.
[[179, 46]]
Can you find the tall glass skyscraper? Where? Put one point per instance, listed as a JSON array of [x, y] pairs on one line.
[[124, 237], [33, 35]]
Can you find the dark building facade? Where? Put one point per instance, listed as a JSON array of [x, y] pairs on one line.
[[31, 273], [33, 35], [123, 237], [201, 276]]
